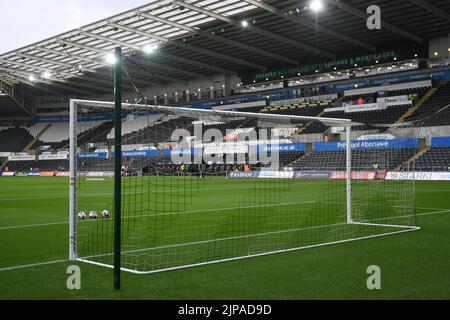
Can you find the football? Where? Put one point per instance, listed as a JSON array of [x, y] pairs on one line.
[[93, 215], [81, 215], [105, 214]]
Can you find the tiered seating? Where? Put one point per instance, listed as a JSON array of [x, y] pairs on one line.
[[436, 159], [312, 107], [439, 100], [387, 116], [158, 132], [57, 135], [299, 107], [96, 134], [387, 159], [14, 139], [224, 127], [134, 124]]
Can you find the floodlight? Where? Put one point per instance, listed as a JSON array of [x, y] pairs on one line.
[[46, 75], [110, 58], [316, 5], [150, 48]]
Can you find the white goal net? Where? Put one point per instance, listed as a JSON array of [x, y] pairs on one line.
[[208, 186]]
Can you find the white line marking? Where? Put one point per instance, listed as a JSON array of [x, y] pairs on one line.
[[61, 261], [34, 225], [26, 266]]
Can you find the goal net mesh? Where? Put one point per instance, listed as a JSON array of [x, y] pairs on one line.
[[202, 187]]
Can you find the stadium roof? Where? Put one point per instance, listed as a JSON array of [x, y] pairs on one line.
[[197, 39]]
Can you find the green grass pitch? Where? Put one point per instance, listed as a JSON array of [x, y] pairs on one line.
[[34, 231]]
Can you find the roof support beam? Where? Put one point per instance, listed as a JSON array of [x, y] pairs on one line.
[[219, 38], [433, 9], [308, 24], [70, 88], [349, 9], [49, 61], [22, 78], [198, 64], [25, 75], [11, 94], [255, 29], [189, 61], [41, 69], [65, 54], [135, 47], [104, 52], [190, 47]]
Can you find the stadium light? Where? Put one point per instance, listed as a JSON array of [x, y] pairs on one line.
[[316, 5], [46, 75], [32, 78], [244, 23], [110, 58], [150, 48]]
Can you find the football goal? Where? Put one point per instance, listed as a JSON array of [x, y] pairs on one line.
[[165, 188]]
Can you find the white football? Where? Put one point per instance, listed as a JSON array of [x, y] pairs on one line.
[[81, 215], [93, 215], [105, 214]]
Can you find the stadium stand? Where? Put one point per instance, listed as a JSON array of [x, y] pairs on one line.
[[14, 139], [387, 159], [436, 102], [387, 116], [135, 124], [436, 159]]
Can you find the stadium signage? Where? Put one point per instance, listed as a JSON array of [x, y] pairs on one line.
[[312, 175], [285, 147], [344, 62], [356, 175], [243, 175], [92, 155], [22, 157], [280, 175], [419, 176], [441, 142], [8, 174], [33, 174], [368, 145], [362, 107], [100, 174], [48, 174], [276, 175], [140, 153], [58, 156], [381, 104], [394, 101]]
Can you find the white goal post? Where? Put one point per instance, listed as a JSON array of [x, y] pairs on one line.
[[174, 218]]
